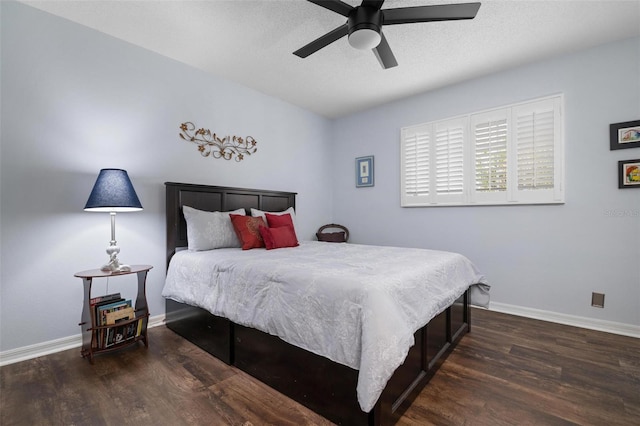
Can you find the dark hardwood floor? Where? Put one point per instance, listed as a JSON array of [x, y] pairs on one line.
[[507, 371]]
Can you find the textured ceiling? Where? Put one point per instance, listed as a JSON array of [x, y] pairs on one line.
[[251, 42]]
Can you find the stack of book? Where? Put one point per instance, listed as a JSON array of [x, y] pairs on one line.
[[112, 309]]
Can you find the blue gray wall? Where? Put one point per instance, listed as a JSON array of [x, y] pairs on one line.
[[74, 101], [549, 258]]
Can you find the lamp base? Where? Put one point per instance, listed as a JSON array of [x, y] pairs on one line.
[[114, 264]]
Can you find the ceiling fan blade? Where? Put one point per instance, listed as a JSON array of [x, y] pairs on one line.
[[335, 6], [374, 4], [323, 41], [445, 12], [384, 54]]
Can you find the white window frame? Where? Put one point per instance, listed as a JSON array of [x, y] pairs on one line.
[[544, 140]]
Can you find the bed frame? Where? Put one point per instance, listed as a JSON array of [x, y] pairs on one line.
[[324, 386]]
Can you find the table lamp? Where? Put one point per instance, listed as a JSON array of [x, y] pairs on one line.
[[113, 192]]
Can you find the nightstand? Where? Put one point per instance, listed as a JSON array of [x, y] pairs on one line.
[[110, 322]]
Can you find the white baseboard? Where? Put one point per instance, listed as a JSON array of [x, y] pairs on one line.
[[52, 346], [57, 345], [573, 320]]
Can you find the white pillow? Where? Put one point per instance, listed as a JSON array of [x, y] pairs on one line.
[[210, 230], [290, 210]]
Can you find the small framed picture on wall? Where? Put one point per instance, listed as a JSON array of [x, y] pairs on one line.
[[629, 174], [364, 171], [624, 135]]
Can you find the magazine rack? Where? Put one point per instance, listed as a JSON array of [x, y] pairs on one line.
[[93, 340]]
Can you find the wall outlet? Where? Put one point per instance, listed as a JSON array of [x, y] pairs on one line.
[[597, 300]]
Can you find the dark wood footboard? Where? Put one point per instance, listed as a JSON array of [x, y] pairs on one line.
[[324, 386]]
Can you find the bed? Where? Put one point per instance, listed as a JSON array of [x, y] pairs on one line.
[[318, 372]]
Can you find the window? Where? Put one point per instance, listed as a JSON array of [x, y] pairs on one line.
[[509, 155]]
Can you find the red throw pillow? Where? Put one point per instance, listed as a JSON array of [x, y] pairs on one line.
[[274, 238], [248, 230], [279, 220]]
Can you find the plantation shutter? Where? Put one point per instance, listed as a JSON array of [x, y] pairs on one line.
[[415, 156], [448, 150], [536, 137], [490, 135]]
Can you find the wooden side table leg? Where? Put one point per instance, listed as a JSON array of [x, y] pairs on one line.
[[86, 326], [141, 304]]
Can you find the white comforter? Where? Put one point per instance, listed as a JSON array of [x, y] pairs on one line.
[[354, 304]]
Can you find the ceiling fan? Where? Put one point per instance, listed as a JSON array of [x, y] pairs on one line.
[[364, 24]]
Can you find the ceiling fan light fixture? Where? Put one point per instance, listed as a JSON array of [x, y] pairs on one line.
[[364, 39], [364, 24]]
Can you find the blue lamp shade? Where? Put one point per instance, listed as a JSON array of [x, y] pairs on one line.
[[113, 192]]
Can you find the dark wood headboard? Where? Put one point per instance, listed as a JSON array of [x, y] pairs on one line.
[[215, 198]]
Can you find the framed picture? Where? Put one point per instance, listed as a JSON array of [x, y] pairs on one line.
[[625, 135], [364, 171], [629, 174]]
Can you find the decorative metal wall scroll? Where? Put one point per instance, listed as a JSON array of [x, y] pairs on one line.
[[209, 143]]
